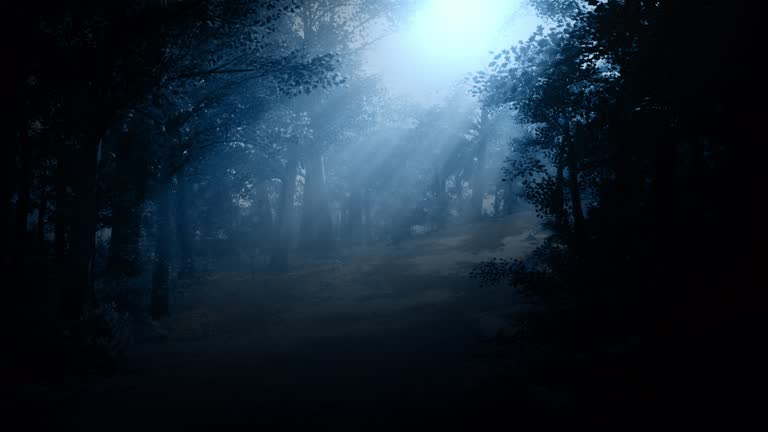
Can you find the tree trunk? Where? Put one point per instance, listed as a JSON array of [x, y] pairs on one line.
[[282, 240], [79, 290], [478, 172], [62, 215], [498, 201], [560, 215], [124, 259], [160, 296], [22, 207], [183, 231], [575, 191], [355, 222], [21, 293], [509, 198], [367, 222], [316, 225], [41, 215], [10, 172], [440, 217]]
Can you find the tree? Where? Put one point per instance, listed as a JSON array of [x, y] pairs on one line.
[[117, 103], [345, 28], [625, 113]]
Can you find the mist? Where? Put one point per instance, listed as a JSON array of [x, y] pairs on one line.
[[371, 215]]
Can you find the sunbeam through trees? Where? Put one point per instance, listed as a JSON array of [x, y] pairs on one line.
[[375, 214]]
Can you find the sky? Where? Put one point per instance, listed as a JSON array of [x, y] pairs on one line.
[[443, 41]]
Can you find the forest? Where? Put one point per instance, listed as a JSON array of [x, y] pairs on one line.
[[379, 214]]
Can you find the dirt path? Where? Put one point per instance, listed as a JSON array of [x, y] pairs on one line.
[[350, 343]]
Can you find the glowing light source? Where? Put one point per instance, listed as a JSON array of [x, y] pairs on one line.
[[456, 29], [445, 40]]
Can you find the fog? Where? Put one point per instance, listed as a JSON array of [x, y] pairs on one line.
[[363, 215], [442, 42]]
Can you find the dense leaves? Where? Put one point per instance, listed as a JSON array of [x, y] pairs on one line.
[[626, 161]]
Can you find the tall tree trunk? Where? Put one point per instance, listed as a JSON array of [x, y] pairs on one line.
[[160, 295], [367, 215], [124, 259], [575, 191], [316, 225], [498, 201], [560, 215], [282, 240], [61, 216], [10, 172], [259, 235], [441, 196], [41, 215], [355, 222], [266, 223], [183, 231], [510, 198], [23, 206], [20, 293], [478, 171], [79, 291]]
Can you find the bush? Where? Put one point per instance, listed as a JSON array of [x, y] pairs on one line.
[[97, 339]]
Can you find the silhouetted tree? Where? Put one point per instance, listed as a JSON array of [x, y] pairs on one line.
[[628, 162]]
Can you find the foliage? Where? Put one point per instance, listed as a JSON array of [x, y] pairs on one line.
[[105, 329], [95, 342], [623, 101]]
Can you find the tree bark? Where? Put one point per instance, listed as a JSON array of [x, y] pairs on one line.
[[560, 219], [478, 173], [367, 215], [282, 240], [62, 214], [22, 208], [9, 187], [509, 197], [441, 196], [317, 225], [41, 215], [575, 191], [160, 295], [124, 259], [79, 290], [355, 222], [183, 231]]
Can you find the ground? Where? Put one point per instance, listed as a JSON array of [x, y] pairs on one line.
[[380, 335]]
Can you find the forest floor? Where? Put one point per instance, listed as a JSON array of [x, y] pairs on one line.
[[380, 335]]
